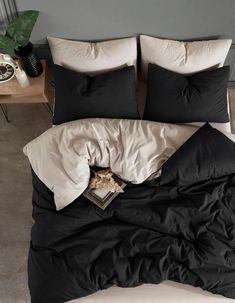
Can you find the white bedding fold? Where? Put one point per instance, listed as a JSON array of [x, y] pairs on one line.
[[135, 150]]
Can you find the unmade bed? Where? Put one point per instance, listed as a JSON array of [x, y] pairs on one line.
[[170, 237]]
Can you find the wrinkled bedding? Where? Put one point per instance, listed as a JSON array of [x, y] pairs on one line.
[[178, 226], [133, 149]]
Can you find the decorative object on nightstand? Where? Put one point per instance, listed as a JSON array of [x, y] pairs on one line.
[[21, 77], [7, 68], [16, 41], [11, 92]]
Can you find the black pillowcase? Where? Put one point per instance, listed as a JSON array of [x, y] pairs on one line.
[[108, 95], [177, 98]]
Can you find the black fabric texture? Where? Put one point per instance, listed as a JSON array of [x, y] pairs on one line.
[[183, 169], [177, 98], [179, 227], [109, 95]]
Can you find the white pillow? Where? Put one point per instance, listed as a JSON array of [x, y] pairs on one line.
[[93, 57], [182, 57]]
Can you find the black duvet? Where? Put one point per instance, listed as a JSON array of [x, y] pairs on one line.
[[179, 227]]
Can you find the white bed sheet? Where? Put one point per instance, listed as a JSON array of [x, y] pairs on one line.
[[165, 292]]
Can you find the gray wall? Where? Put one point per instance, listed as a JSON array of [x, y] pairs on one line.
[[98, 19], [104, 19]]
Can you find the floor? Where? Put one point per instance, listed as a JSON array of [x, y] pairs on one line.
[[27, 122]]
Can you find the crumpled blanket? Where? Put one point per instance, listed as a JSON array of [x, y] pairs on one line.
[[134, 150], [179, 226]]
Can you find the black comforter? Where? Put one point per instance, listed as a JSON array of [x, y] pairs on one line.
[[180, 227]]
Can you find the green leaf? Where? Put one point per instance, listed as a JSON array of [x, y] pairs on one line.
[[21, 28], [7, 44]]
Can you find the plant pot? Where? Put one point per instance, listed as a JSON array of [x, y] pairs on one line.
[[29, 60]]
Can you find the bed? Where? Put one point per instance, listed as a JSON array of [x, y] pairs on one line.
[[175, 220]]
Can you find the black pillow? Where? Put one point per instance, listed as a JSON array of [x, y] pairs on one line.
[[109, 95], [176, 98]]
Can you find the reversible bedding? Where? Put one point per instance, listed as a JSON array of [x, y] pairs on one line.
[[176, 225], [134, 150], [175, 220]]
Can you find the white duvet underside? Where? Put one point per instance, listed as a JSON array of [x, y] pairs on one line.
[[135, 150]]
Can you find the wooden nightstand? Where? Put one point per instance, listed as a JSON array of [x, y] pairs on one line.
[[37, 92]]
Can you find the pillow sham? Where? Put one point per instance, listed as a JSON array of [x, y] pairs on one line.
[[109, 95], [177, 98], [93, 58], [182, 57]]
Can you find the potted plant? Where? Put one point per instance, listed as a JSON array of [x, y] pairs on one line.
[[16, 42]]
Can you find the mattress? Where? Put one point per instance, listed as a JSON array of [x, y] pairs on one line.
[[166, 292]]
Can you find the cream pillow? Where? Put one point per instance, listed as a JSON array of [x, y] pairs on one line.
[[93, 57], [182, 57]]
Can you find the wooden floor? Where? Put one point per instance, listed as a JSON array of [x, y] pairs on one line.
[[232, 107]]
